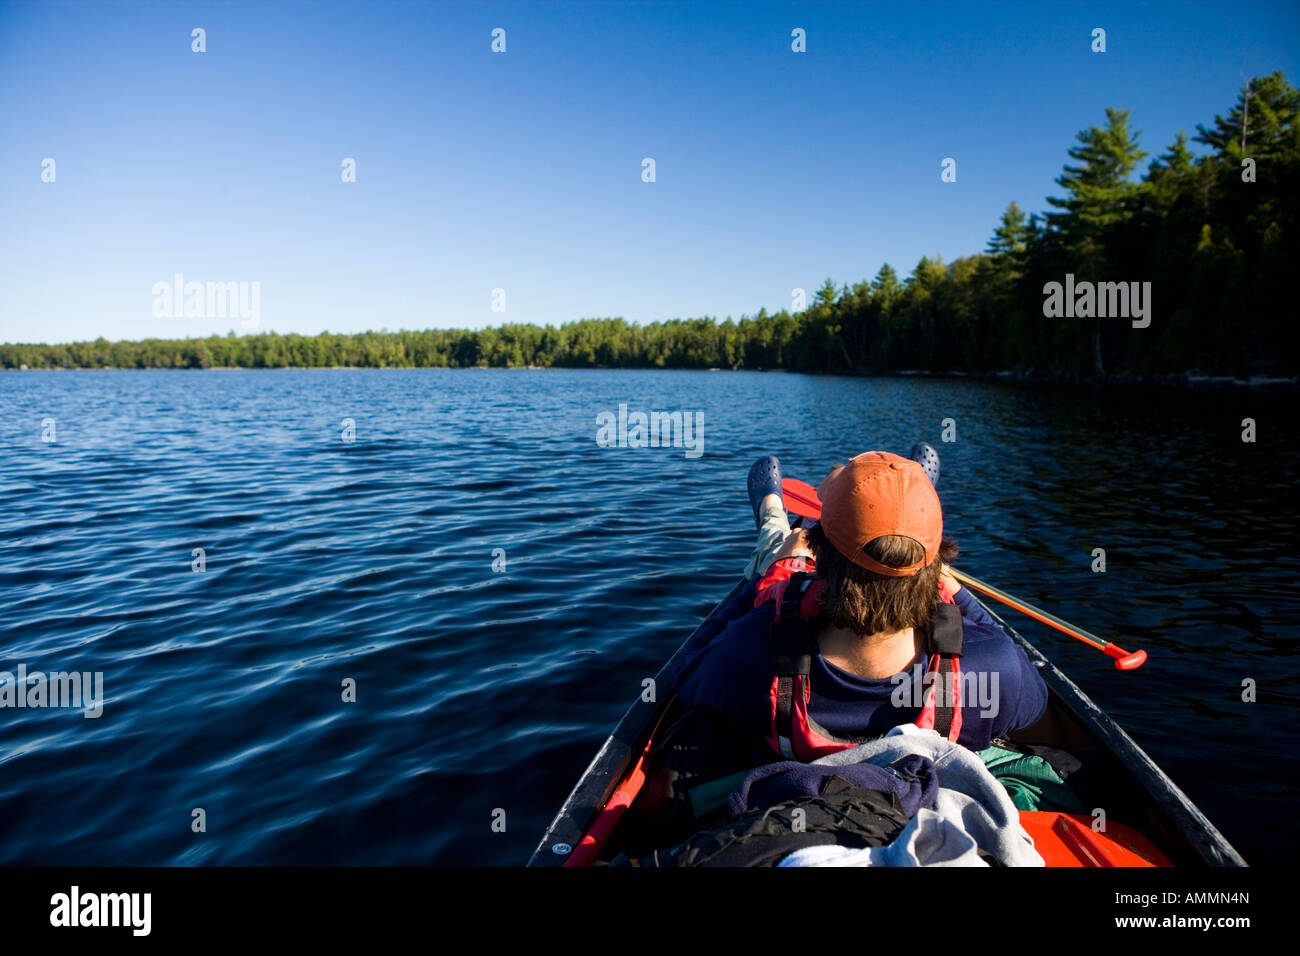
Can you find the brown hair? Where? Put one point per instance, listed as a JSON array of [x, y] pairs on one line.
[[870, 603]]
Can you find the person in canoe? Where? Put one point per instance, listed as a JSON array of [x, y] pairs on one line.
[[854, 626]]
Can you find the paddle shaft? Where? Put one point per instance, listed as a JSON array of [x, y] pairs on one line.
[[1123, 659], [1026, 608]]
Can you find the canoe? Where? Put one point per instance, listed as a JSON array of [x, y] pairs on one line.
[[1149, 820]]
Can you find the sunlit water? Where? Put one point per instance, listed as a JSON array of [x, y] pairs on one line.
[[481, 690]]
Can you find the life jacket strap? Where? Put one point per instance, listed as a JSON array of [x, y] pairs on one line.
[[791, 658], [946, 632], [942, 709]]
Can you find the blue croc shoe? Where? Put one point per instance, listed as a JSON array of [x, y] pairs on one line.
[[764, 480], [923, 453]]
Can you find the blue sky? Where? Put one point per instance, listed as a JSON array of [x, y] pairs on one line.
[[522, 170]]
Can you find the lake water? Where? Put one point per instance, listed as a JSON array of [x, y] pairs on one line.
[[366, 554]]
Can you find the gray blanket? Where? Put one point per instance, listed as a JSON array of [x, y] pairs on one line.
[[972, 811]]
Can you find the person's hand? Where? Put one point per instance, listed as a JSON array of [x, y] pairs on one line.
[[948, 583]]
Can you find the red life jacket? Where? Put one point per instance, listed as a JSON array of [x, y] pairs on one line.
[[795, 735]]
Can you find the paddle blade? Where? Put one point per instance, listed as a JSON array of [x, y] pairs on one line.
[[800, 498]]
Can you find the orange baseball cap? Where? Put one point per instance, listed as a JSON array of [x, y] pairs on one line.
[[877, 494]]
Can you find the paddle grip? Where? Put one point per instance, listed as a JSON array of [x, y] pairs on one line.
[[1123, 659]]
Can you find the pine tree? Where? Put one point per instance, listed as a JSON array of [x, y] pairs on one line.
[[1100, 193], [1100, 197], [886, 286], [1010, 235], [1264, 118]]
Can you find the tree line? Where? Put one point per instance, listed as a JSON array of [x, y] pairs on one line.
[[1213, 234]]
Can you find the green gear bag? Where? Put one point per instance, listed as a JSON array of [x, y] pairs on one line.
[[1030, 781]]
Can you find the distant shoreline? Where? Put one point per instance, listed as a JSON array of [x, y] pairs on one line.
[[1193, 380]]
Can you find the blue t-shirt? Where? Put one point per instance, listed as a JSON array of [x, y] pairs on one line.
[[727, 668]]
